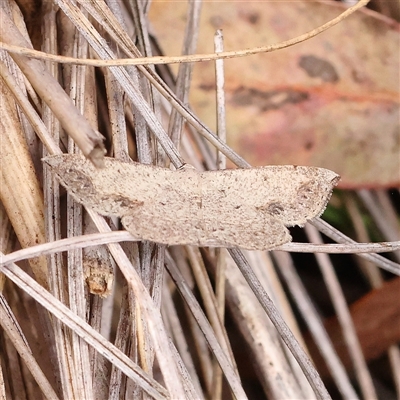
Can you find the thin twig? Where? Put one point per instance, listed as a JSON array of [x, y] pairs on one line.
[[191, 58], [81, 328], [340, 237], [96, 239], [230, 373], [315, 325], [286, 334]]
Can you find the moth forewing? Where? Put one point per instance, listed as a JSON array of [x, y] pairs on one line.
[[246, 208], [289, 193]]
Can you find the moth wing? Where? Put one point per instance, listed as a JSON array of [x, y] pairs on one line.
[[247, 233], [170, 231], [290, 194], [174, 217], [247, 208], [257, 236], [115, 189]]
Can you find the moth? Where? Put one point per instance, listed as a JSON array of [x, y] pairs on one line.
[[246, 208]]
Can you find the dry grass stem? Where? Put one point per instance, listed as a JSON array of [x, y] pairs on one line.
[[192, 58], [163, 310]]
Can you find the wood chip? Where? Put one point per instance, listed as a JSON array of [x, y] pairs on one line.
[[247, 208]]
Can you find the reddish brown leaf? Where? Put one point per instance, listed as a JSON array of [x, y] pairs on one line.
[[331, 102], [376, 318]]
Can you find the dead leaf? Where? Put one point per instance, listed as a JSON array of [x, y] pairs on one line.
[[332, 101]]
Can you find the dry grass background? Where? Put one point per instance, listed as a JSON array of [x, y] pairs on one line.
[[140, 320]]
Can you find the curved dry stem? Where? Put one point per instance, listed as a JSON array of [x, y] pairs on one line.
[[189, 58], [97, 239]]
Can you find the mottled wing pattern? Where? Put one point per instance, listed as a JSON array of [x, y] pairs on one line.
[[253, 206], [112, 190], [248, 208], [172, 217]]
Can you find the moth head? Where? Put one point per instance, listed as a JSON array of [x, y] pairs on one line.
[[76, 180]]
